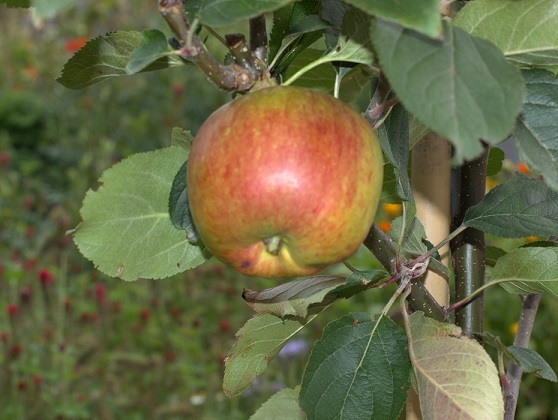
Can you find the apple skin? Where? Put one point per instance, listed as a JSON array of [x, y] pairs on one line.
[[284, 181]]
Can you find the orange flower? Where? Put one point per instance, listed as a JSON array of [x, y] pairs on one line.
[[384, 225], [521, 167], [392, 210], [74, 44], [513, 328]]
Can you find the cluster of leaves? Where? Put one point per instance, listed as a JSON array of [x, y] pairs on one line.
[[483, 76]]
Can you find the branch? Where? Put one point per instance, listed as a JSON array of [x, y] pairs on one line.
[[230, 78], [258, 38], [525, 326]]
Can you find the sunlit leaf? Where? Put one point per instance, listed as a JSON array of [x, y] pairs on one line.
[[126, 229], [536, 132], [359, 370], [525, 30], [258, 342], [532, 362], [455, 377], [516, 208], [528, 270], [462, 87], [282, 405]]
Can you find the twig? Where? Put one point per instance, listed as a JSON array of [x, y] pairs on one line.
[[529, 309], [258, 38]]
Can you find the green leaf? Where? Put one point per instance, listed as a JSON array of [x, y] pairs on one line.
[[528, 270], [353, 45], [154, 48], [525, 30], [462, 87], [422, 16], [496, 157], [394, 138], [101, 58], [532, 362], [126, 230], [455, 377], [493, 253], [179, 209], [182, 138], [258, 342], [228, 12], [389, 188], [518, 208], [333, 11], [282, 405], [360, 369], [536, 132], [16, 3], [300, 297]]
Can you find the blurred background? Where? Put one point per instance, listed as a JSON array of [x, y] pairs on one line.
[[77, 344]]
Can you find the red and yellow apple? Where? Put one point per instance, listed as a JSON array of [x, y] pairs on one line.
[[284, 181]]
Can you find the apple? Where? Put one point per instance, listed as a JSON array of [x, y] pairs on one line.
[[284, 182]]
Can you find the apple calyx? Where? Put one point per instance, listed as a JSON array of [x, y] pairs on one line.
[[273, 244]]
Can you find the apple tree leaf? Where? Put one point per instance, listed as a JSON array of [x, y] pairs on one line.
[[228, 12], [524, 30], [462, 87], [16, 3], [455, 377], [423, 16], [528, 270], [531, 361], [154, 48], [300, 297], [126, 230], [496, 157], [493, 254], [182, 138], [360, 369], [282, 405], [258, 342], [536, 132], [102, 58], [517, 208]]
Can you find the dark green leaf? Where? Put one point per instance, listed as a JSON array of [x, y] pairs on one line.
[[493, 253], [126, 229], [228, 12], [154, 48], [101, 58], [282, 405], [524, 30], [333, 11], [532, 362], [389, 188], [536, 132], [360, 369], [517, 208], [528, 270], [422, 16], [495, 158], [462, 87], [179, 210], [394, 138], [258, 342]]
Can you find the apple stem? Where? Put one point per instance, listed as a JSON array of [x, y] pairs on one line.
[[273, 244]]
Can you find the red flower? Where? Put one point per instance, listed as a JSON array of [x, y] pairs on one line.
[[13, 310], [21, 385], [45, 277], [73, 44], [15, 351], [38, 380], [144, 314], [4, 158], [224, 325], [26, 294], [100, 294]]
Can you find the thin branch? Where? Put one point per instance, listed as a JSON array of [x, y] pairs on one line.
[[258, 37], [525, 326], [231, 78]]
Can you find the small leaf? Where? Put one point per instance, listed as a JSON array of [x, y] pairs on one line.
[[495, 158], [300, 297], [258, 342], [101, 58], [493, 253], [536, 132], [524, 30], [179, 209], [154, 48], [528, 270], [456, 379], [359, 370], [423, 16], [182, 138], [126, 230], [228, 12], [394, 138], [532, 362], [451, 84], [282, 405], [517, 208]]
